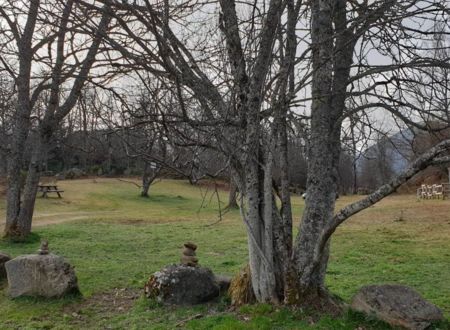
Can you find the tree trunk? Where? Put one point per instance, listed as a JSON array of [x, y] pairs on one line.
[[15, 161], [320, 203], [151, 172], [283, 234], [329, 83], [259, 218], [31, 186], [146, 180], [268, 250], [232, 196], [12, 197]]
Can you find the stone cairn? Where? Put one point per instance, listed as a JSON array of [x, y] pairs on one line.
[[43, 250], [188, 257]]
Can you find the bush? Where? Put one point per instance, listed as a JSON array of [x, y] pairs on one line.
[[96, 170], [74, 173]]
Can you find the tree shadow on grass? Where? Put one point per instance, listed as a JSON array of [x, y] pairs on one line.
[[30, 239]]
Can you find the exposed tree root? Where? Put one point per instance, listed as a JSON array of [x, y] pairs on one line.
[[318, 300]]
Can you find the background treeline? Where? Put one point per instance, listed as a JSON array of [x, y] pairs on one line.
[[98, 140]]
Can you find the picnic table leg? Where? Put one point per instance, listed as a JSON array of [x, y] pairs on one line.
[[59, 195]]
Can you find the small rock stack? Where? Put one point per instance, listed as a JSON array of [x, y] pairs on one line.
[[188, 258], [43, 250]]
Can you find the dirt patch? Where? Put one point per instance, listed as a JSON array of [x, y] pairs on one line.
[[142, 222], [114, 302], [45, 219], [132, 222]]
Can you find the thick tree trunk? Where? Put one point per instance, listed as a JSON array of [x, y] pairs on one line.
[[15, 161], [307, 281], [322, 159], [269, 250], [35, 169], [12, 197], [320, 203], [145, 188], [329, 83], [261, 255], [259, 218]]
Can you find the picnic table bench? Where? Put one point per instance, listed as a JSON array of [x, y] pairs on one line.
[[49, 188]]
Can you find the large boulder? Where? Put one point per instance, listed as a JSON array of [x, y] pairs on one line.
[[397, 305], [4, 258], [182, 285], [47, 276]]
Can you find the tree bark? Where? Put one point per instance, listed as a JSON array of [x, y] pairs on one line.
[[149, 175], [232, 196], [329, 83], [35, 169], [21, 122]]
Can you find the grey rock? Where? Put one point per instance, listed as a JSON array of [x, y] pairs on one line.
[[47, 276], [182, 285], [397, 305], [4, 258]]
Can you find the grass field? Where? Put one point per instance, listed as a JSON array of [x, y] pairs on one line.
[[116, 240]]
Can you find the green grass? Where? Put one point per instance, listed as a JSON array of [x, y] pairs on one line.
[[116, 239]]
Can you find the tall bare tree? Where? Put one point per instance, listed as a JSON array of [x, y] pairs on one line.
[[44, 52], [244, 111]]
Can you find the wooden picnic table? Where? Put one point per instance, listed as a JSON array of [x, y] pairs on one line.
[[49, 188]]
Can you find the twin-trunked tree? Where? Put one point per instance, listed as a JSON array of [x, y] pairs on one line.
[[48, 49], [245, 67]]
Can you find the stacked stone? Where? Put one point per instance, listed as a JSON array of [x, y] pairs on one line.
[[43, 250], [188, 258]]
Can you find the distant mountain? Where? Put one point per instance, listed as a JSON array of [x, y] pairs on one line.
[[391, 155], [396, 149]]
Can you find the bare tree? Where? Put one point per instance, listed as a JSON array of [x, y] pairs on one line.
[[335, 32], [247, 117], [43, 51]]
